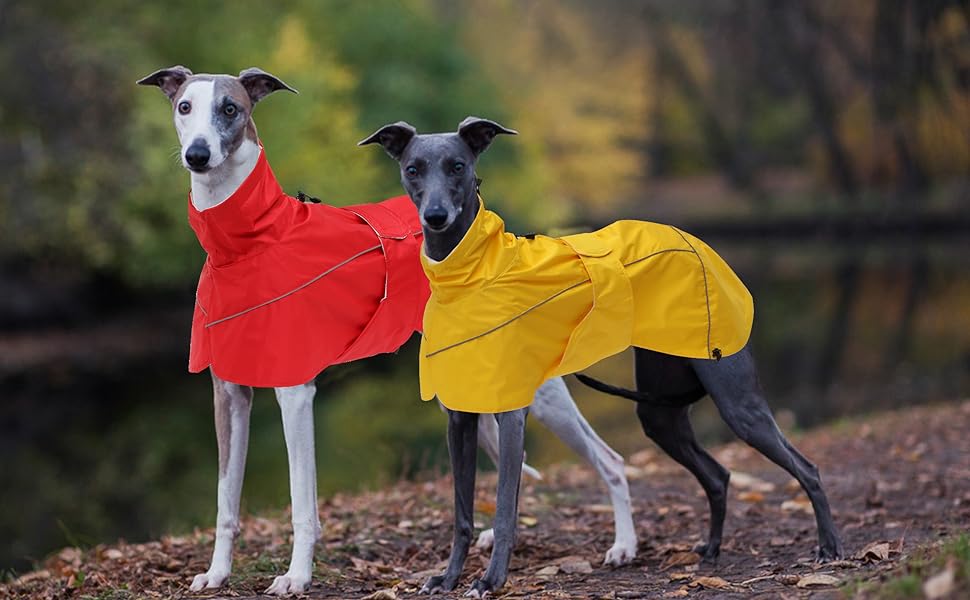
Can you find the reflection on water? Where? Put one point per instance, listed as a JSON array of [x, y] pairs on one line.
[[93, 456]]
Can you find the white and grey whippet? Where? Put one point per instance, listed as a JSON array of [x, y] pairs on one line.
[[220, 148]]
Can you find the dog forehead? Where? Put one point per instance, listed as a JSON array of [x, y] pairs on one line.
[[222, 86], [436, 146]]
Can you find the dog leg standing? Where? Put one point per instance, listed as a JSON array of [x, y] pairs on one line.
[[555, 408], [463, 449], [232, 405], [296, 405], [511, 432], [734, 386]]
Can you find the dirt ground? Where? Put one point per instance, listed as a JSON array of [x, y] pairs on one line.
[[897, 482]]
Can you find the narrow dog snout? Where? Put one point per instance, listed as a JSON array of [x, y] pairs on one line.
[[197, 156], [436, 217]]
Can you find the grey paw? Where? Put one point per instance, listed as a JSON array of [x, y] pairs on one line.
[[437, 584]]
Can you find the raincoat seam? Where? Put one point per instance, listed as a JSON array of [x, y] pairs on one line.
[[296, 289], [707, 293]]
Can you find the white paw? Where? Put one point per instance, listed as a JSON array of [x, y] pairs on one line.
[[485, 539], [288, 584], [473, 593], [620, 554], [208, 580]]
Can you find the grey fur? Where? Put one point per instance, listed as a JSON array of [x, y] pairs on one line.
[[427, 173]]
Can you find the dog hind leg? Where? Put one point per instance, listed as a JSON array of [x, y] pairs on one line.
[[555, 408], [232, 404], [734, 386], [463, 450], [296, 406], [669, 426]]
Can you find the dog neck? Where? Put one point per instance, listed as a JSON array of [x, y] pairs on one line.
[[213, 187], [439, 244]]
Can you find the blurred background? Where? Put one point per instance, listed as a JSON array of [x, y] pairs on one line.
[[823, 148]]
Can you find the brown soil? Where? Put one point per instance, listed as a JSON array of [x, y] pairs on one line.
[[897, 482]]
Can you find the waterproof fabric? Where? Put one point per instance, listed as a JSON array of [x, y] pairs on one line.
[[506, 313], [289, 289]]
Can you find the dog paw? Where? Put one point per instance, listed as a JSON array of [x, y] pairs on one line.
[[485, 539], [208, 580], [437, 584], [620, 554], [288, 584], [708, 552], [829, 553], [479, 589]]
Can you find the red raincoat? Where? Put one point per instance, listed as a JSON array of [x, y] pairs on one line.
[[289, 289]]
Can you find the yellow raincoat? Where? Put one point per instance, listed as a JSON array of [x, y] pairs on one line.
[[506, 313]]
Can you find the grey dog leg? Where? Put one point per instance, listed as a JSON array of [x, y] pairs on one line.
[[511, 432], [463, 449], [734, 386], [669, 427]]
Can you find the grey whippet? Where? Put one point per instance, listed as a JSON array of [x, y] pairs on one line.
[[438, 172], [220, 147]]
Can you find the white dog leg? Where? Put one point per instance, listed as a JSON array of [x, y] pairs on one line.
[[296, 404], [232, 406], [554, 407]]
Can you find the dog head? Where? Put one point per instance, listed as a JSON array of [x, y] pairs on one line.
[[213, 113], [438, 169]]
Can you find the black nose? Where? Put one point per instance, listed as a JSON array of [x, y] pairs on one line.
[[197, 156], [435, 217]]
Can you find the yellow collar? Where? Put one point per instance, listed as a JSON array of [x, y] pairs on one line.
[[481, 256]]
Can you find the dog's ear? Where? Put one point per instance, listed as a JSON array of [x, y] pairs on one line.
[[259, 83], [169, 80], [479, 133], [394, 138]]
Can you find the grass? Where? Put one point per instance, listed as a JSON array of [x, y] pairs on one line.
[[906, 581]]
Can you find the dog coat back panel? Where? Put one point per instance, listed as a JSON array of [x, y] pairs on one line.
[[507, 313]]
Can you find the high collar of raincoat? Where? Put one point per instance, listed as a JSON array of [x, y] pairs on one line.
[[481, 256], [252, 218]]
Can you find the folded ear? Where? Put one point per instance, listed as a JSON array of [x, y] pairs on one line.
[[259, 83], [394, 138], [479, 133], [169, 80]]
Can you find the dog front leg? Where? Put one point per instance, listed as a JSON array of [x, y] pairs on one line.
[[511, 433], [296, 405], [463, 449], [232, 405]]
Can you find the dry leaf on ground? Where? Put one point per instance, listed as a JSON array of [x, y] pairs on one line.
[[940, 585], [817, 579]]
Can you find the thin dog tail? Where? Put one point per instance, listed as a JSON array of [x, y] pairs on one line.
[[613, 390]]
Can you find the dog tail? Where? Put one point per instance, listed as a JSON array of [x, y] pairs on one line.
[[613, 390]]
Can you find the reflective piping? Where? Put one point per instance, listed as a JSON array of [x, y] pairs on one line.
[[296, 289], [707, 293], [575, 285]]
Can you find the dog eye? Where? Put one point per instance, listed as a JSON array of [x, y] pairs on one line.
[[458, 167], [230, 110], [411, 171], [184, 108]]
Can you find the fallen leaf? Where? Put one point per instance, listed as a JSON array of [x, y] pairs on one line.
[[528, 521], [797, 505], [680, 576], [581, 566], [787, 579], [751, 496], [817, 579], [548, 571], [113, 554], [875, 551], [750, 482], [382, 595], [485, 507], [679, 593], [941, 584], [778, 541], [406, 524], [714, 583], [679, 559]]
